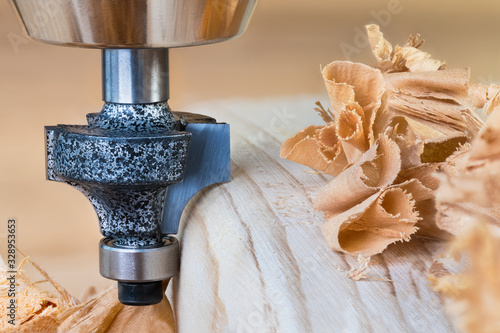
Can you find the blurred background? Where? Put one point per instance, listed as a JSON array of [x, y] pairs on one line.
[[278, 57]]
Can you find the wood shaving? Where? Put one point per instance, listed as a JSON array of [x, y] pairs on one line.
[[410, 144], [360, 272], [377, 168], [326, 115], [456, 162], [388, 131], [486, 148], [325, 156], [482, 96], [470, 181], [384, 218], [40, 311], [404, 58], [438, 100], [468, 203], [37, 310], [354, 86], [473, 296], [421, 88]]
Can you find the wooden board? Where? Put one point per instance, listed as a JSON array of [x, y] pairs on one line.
[[253, 257]]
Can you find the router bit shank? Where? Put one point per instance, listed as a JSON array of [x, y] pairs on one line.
[[135, 76]]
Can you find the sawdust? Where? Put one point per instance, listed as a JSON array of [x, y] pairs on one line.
[[360, 272]]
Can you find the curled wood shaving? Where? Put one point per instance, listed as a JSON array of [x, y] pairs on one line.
[[351, 134], [354, 86], [422, 172], [409, 143], [401, 58], [40, 311], [377, 168], [384, 218], [306, 148]]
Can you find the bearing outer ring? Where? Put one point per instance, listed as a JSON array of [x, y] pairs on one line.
[[139, 264]]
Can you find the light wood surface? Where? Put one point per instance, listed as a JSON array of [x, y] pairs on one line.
[[254, 259], [279, 54]]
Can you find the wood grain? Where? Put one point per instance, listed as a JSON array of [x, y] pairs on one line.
[[281, 53], [253, 257]]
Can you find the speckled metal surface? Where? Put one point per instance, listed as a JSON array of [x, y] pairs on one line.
[[143, 118], [131, 215], [122, 161], [100, 156]]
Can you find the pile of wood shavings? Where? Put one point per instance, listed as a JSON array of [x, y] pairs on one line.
[[388, 131], [39, 311], [468, 203]]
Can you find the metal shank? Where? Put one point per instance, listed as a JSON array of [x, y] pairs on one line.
[[135, 76]]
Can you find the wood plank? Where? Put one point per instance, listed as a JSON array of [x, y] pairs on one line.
[[253, 257]]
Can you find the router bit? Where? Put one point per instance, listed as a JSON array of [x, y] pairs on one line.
[[137, 162]]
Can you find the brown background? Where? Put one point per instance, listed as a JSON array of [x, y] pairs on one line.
[[279, 55]]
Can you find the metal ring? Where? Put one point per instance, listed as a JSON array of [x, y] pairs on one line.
[[139, 264]]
